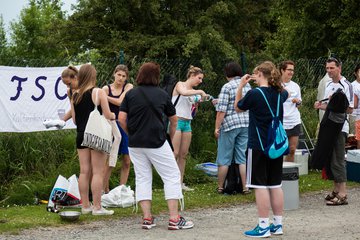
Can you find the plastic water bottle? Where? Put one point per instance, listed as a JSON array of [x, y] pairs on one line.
[[195, 98]]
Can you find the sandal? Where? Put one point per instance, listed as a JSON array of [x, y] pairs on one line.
[[331, 196], [220, 190], [337, 201]]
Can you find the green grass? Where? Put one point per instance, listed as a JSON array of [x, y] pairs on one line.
[[15, 218]]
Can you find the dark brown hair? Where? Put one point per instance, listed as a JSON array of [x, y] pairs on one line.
[[284, 64], [149, 74], [122, 67], [356, 70], [337, 61], [232, 69]]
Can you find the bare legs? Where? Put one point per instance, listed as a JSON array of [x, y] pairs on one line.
[[124, 173], [172, 205], [107, 175], [92, 166], [181, 143], [266, 198], [125, 169], [85, 175], [222, 172], [242, 169], [293, 142]]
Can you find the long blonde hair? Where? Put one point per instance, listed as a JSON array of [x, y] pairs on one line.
[[271, 73], [86, 81]]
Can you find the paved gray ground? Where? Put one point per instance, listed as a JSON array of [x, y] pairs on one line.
[[313, 220]]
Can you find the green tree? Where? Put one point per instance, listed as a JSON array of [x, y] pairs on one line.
[[37, 33], [3, 42], [310, 29], [210, 31]]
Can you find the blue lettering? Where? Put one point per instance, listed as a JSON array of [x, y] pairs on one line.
[[19, 88], [41, 88], [57, 90]]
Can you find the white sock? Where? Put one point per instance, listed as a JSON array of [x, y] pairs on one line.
[[277, 220], [264, 222]]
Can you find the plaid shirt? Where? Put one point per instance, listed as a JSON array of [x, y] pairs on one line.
[[225, 104]]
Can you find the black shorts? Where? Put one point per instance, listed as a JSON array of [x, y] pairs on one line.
[[262, 171], [79, 140], [295, 131]]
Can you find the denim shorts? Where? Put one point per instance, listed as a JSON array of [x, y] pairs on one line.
[[232, 146], [183, 125]]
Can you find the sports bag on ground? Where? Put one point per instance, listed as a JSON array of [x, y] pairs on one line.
[[277, 143], [233, 184], [97, 134]]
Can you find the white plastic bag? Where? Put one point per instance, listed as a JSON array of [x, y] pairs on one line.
[[121, 196], [64, 193]]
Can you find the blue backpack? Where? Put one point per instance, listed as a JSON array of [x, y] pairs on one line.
[[277, 143]]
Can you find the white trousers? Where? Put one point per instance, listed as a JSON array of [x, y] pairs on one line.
[[115, 145], [164, 162]]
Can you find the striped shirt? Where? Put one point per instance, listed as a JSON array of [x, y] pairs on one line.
[[225, 104]]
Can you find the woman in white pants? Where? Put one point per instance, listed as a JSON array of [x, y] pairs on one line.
[[141, 116]]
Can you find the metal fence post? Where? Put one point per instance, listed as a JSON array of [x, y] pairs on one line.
[[243, 62], [121, 57]]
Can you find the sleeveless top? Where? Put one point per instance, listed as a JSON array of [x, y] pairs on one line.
[[83, 110], [183, 107], [115, 108]]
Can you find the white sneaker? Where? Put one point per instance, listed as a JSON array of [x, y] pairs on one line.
[[186, 188], [58, 123], [102, 211], [86, 210]]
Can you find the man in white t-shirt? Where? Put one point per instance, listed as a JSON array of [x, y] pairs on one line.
[[337, 161]]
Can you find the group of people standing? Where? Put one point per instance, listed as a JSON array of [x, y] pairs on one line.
[[242, 121], [139, 133], [95, 166], [242, 118]]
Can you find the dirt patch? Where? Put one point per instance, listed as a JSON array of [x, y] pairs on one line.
[[313, 220]]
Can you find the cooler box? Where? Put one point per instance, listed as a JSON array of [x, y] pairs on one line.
[[302, 158], [290, 185], [353, 165]]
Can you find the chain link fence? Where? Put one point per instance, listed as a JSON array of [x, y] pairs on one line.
[[308, 72]]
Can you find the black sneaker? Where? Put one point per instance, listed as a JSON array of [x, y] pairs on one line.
[[181, 223], [148, 223]]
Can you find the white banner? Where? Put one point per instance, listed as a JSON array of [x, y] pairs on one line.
[[28, 96]]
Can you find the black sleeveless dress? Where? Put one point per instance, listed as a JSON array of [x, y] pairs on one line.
[[82, 112]]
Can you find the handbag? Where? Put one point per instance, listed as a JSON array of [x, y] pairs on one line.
[[97, 134]]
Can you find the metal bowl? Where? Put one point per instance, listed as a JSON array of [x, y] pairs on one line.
[[70, 216]]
